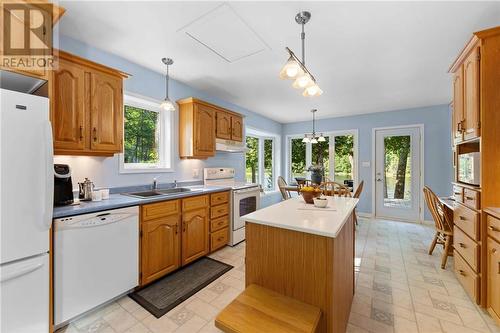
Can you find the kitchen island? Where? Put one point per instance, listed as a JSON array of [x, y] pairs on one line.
[[306, 253]]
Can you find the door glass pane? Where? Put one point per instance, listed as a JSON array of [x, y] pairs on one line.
[[268, 165], [398, 173], [321, 156], [344, 158], [252, 160], [298, 158]]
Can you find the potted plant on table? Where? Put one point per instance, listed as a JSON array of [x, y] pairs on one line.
[[316, 171]]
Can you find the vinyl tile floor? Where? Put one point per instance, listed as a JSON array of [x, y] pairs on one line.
[[399, 288]]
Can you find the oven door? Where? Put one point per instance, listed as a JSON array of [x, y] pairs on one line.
[[245, 201]]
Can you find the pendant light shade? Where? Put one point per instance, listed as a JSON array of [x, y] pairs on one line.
[[306, 139], [167, 104], [291, 70], [302, 81], [312, 91], [321, 138], [313, 140]]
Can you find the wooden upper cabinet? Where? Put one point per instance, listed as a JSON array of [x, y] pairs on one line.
[[68, 107], [223, 130], [236, 128], [106, 112], [200, 123], [160, 247], [458, 104], [195, 235], [86, 107], [204, 131], [471, 125]]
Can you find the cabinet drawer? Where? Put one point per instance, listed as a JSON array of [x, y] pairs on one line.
[[467, 248], [219, 198], [219, 210], [467, 220], [458, 193], [159, 209], [219, 223], [493, 225], [218, 239], [467, 277], [471, 198], [195, 202]]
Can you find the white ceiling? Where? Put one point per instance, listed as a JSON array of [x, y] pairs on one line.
[[367, 56]]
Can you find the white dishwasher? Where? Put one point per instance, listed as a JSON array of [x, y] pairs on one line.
[[96, 258]]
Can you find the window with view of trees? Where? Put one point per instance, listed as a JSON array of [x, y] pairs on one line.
[[146, 137], [260, 161], [336, 155]]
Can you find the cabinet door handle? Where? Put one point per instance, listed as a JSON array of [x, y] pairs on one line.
[[81, 132], [176, 228], [184, 226], [461, 272], [457, 193], [94, 131], [469, 198], [462, 245], [220, 239], [492, 228], [462, 218]]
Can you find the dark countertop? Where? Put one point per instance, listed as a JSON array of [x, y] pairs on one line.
[[120, 200]]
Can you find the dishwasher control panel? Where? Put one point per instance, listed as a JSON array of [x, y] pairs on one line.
[[95, 219]]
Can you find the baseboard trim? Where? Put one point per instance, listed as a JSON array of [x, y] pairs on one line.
[[365, 215]]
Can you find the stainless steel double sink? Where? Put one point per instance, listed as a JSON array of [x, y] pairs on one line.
[[156, 193]]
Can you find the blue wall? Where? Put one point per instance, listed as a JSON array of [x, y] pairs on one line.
[[438, 172], [105, 171]]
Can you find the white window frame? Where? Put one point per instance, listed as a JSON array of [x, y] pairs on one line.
[[331, 152], [165, 137], [262, 135]]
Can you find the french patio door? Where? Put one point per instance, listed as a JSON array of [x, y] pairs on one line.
[[397, 173]]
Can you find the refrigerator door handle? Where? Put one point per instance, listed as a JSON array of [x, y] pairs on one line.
[[49, 177], [6, 276]]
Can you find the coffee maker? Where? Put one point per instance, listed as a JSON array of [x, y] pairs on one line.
[[63, 187]]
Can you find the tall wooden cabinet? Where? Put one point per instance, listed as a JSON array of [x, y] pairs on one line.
[[476, 124], [201, 123], [86, 107]]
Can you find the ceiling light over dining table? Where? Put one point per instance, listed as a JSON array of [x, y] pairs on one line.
[[295, 69]]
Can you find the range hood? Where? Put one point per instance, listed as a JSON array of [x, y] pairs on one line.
[[230, 146], [18, 82]]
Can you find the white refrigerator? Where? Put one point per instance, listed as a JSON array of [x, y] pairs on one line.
[[26, 201]]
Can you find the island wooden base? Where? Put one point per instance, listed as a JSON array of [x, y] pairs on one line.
[[314, 269]]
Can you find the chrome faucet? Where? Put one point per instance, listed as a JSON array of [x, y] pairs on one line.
[[154, 186]]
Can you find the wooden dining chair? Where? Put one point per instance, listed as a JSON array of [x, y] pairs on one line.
[[443, 225], [335, 189], [356, 195], [281, 185]]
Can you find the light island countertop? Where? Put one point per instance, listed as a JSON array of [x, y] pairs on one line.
[[289, 214]]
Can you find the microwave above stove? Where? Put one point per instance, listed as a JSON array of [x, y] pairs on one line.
[[469, 168]]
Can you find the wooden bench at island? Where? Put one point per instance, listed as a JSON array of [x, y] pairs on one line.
[[258, 310], [306, 254]]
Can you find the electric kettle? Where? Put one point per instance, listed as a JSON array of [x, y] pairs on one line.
[[85, 190]]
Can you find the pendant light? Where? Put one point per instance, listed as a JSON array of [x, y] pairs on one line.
[[295, 69], [312, 138], [167, 104]]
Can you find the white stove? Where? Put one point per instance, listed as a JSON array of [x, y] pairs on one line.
[[245, 199]]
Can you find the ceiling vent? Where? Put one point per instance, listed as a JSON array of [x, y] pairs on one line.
[[226, 34]]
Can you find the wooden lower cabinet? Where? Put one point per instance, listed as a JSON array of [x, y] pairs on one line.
[[493, 262], [160, 247], [175, 233], [219, 220]]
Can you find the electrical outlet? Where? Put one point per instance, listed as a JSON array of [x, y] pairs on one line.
[[196, 173]]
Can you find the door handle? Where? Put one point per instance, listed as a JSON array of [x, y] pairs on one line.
[[379, 179], [176, 228], [95, 134]]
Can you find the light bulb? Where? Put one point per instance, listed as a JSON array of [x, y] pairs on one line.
[[312, 90], [302, 81], [167, 105], [291, 70]]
